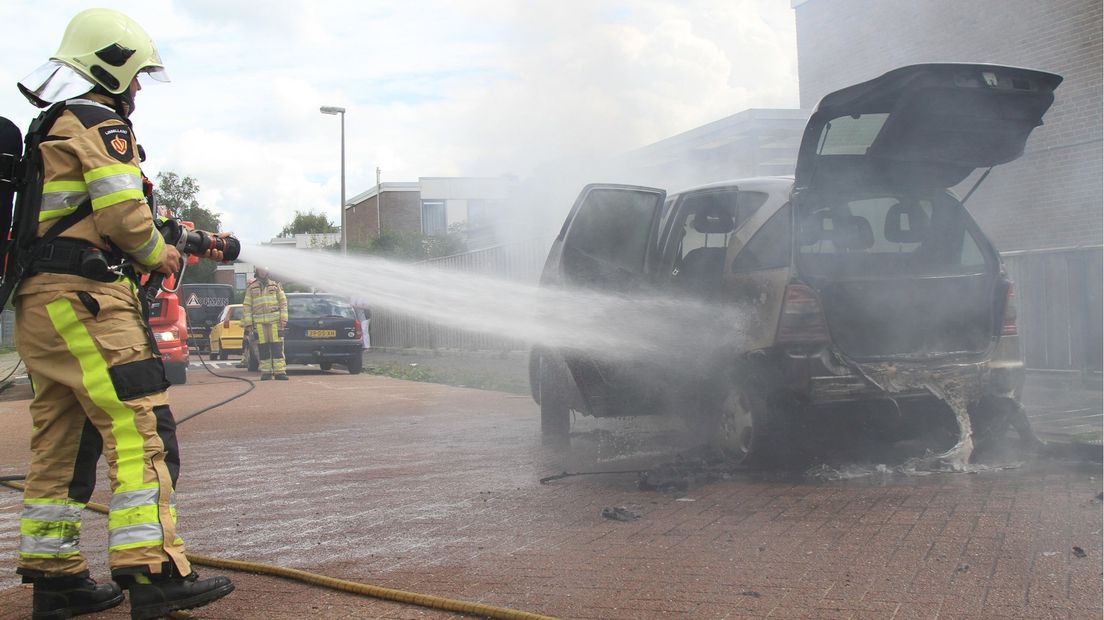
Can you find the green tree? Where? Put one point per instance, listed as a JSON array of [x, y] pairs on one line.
[[309, 222], [178, 195]]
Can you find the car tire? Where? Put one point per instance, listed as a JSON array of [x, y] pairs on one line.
[[751, 429], [325, 365], [355, 364], [223, 355], [554, 407], [177, 374], [992, 417]]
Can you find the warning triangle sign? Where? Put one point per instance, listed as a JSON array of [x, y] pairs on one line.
[[193, 301]]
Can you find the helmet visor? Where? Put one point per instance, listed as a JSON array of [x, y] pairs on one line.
[[150, 74]]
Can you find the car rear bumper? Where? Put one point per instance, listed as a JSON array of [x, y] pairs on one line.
[[823, 380], [316, 351]]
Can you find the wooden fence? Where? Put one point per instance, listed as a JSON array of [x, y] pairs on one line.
[[1058, 297]]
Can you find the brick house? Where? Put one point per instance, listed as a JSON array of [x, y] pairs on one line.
[[391, 207]]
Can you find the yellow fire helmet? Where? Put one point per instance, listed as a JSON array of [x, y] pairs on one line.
[[109, 48]]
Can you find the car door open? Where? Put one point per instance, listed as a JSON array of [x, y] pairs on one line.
[[608, 246]]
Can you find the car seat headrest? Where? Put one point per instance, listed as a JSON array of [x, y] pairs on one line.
[[853, 232], [906, 222], [714, 220]]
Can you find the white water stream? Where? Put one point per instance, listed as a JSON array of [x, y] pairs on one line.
[[613, 326]]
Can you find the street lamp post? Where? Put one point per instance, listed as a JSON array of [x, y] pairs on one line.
[[329, 109]]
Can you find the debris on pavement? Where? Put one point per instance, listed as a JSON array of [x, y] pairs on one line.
[[1079, 552], [751, 593], [689, 471], [620, 513]]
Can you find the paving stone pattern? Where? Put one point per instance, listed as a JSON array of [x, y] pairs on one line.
[[434, 489]]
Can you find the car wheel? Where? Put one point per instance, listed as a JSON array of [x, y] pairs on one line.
[[355, 364], [992, 417], [555, 412], [750, 429], [223, 355], [325, 365]]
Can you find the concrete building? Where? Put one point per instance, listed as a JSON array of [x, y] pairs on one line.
[[1052, 196], [478, 204], [751, 143]]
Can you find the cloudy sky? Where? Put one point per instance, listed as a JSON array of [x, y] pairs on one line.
[[431, 88]]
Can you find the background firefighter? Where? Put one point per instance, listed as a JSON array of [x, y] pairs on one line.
[[99, 385], [264, 311]]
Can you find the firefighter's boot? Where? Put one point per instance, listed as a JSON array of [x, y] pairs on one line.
[[266, 376], [165, 594], [281, 377], [56, 598]]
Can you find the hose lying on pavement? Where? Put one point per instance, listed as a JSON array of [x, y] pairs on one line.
[[353, 587], [390, 594]]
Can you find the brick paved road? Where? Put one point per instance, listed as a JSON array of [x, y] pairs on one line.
[[434, 489]]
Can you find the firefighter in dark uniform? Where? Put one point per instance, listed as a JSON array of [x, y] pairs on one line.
[[99, 384]]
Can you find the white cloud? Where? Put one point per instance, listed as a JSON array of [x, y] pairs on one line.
[[482, 87]]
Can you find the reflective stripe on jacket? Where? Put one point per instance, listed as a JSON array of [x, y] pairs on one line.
[[264, 303], [91, 154]]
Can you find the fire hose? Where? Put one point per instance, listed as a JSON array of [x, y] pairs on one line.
[[315, 579]]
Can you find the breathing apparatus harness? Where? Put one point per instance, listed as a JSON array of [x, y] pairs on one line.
[[24, 254]]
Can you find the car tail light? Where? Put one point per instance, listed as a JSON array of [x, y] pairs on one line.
[[1008, 326], [357, 331], [802, 320]]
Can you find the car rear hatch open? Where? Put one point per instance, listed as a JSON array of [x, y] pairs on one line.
[[900, 268], [923, 126]]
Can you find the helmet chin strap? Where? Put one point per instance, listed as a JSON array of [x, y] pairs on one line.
[[124, 102]]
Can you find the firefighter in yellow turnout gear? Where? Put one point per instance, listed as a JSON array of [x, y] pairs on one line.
[[264, 310], [99, 385]]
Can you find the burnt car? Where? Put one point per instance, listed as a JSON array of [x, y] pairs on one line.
[[322, 329], [863, 282]]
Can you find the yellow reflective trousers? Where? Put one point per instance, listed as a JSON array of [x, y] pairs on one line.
[[98, 386], [270, 349]]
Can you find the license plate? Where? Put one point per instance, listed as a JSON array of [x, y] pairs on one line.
[[321, 333]]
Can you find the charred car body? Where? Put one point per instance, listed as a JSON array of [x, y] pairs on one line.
[[863, 281]]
